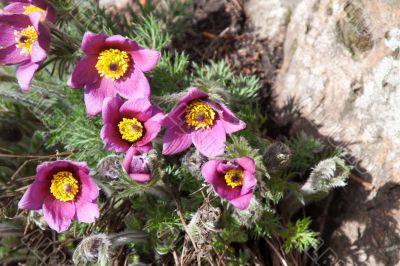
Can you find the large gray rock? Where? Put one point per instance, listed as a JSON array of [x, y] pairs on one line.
[[341, 65]]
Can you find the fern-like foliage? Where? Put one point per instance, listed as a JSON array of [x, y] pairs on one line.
[[299, 236]]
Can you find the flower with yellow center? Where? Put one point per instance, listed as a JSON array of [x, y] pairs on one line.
[[31, 8], [199, 115], [64, 186], [131, 129], [112, 63], [25, 39], [234, 178]]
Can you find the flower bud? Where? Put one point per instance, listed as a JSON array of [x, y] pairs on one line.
[[277, 157]]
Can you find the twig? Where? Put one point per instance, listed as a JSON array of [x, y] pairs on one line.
[[365, 184], [37, 157], [277, 252], [178, 211]]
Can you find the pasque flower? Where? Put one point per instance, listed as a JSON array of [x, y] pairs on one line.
[[23, 41], [137, 166], [26, 7], [135, 122], [64, 191], [112, 65], [233, 181], [199, 120]]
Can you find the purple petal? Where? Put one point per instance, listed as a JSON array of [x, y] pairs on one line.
[[86, 212], [128, 157], [246, 163], [230, 121], [110, 112], [249, 182], [175, 140], [223, 190], [211, 141], [50, 14], [17, 21], [210, 173], [121, 43], [133, 85], [175, 117], [152, 128], [38, 53], [7, 37], [140, 108], [12, 55], [39, 3], [242, 202], [225, 167], [96, 93], [34, 197], [58, 214], [141, 178], [17, 8], [112, 139], [25, 75], [145, 59], [89, 189], [45, 170], [193, 94], [93, 44], [85, 72]]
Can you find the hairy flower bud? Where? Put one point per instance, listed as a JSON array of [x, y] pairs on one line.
[[277, 157]]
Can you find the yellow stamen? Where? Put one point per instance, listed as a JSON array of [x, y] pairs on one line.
[[64, 186], [234, 178], [31, 8], [112, 63], [25, 39], [131, 129], [199, 115]]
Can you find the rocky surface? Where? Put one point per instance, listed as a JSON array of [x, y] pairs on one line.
[[341, 68]]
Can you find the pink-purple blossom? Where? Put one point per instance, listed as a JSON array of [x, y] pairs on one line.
[[136, 165], [134, 123], [233, 181], [199, 120], [24, 41], [64, 191], [26, 7], [112, 65]]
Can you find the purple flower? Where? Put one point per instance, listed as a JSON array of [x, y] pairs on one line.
[[23, 41], [233, 181], [64, 191], [198, 120], [112, 65], [137, 166], [133, 123], [26, 7]]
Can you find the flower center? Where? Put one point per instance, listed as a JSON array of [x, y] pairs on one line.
[[25, 38], [31, 8], [131, 129], [112, 63], [64, 186], [199, 115], [234, 178]]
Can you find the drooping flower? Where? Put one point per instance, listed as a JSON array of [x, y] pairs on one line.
[[112, 65], [64, 191], [134, 123], [26, 7], [233, 181], [137, 166], [24, 41], [199, 120]]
